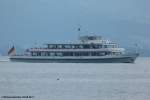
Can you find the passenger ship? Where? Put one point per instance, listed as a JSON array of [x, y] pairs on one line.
[[90, 49]]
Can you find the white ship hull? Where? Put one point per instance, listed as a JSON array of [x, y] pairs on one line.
[[97, 59]]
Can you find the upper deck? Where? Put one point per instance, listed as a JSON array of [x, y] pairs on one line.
[[85, 42]]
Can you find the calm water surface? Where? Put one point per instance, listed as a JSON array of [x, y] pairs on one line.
[[70, 81]]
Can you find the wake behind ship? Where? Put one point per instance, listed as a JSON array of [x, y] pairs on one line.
[[90, 49]]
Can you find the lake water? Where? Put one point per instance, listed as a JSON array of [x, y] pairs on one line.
[[71, 81]]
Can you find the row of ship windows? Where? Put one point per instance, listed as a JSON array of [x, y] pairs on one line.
[[73, 53], [80, 46]]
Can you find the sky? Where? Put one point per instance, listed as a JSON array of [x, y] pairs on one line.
[[29, 22]]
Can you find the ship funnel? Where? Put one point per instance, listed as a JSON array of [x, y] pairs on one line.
[[12, 51]]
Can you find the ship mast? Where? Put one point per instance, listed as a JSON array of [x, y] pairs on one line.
[[79, 31]]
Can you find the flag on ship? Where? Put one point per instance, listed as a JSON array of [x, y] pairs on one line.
[[12, 51]]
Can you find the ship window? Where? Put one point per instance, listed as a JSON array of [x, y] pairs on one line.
[[105, 46], [50, 46], [76, 46], [102, 53], [71, 53], [86, 46], [100, 46], [81, 46], [68, 54], [81, 54], [48, 53], [38, 53], [91, 38], [116, 53], [67, 46], [76, 54], [59, 54], [59, 46], [95, 54], [95, 46], [85, 54], [108, 46], [73, 47], [91, 46], [54, 46], [115, 46], [42, 53], [34, 53], [52, 54], [111, 46]]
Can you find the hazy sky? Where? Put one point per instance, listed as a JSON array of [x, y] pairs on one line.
[[25, 22]]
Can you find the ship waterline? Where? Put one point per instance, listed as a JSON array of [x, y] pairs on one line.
[[83, 59]]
